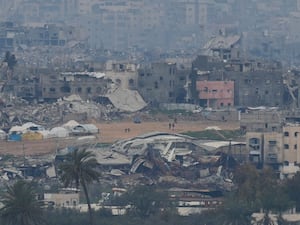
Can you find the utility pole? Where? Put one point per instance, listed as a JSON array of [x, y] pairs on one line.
[[228, 157]]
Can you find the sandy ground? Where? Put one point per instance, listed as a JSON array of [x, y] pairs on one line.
[[109, 132]]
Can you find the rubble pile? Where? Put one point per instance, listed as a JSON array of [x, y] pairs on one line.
[[164, 159], [184, 173], [18, 112], [171, 160]]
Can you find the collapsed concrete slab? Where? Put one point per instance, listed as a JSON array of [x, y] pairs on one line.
[[126, 100]]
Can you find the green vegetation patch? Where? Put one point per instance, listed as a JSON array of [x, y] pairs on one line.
[[220, 135]]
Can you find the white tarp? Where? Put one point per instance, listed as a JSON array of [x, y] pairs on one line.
[[32, 126], [17, 129]]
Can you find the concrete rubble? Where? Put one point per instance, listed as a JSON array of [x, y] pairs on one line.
[[17, 112], [165, 159], [161, 158]]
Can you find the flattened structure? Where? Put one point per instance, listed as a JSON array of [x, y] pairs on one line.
[[126, 100]]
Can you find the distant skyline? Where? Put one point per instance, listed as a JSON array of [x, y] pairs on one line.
[[266, 26]]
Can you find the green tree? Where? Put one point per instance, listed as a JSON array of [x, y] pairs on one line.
[[234, 212], [11, 61], [261, 190], [292, 188], [247, 179], [21, 206], [80, 169], [146, 201]]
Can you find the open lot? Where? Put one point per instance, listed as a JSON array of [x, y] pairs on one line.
[[109, 133]]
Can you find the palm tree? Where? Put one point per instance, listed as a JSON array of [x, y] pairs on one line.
[[21, 206], [79, 169]]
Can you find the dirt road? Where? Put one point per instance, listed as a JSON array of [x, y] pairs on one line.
[[110, 132]]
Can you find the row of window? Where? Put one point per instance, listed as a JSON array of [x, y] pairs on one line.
[[287, 134], [172, 71], [206, 90], [171, 84], [249, 81], [67, 89], [222, 104], [246, 93], [130, 81], [286, 146]]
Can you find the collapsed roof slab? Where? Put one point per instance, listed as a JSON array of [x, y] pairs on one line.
[[126, 100]]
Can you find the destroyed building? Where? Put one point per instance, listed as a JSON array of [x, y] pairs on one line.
[[14, 35], [255, 83], [223, 47], [261, 119], [170, 159], [123, 74], [161, 83], [85, 84]]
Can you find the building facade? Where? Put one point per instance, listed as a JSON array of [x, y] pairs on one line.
[[157, 83], [215, 94], [275, 148], [255, 83], [87, 85]]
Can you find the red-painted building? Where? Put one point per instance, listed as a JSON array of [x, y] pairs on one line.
[[215, 94]]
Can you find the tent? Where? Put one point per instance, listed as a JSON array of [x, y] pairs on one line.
[[3, 135], [59, 132], [15, 136], [45, 133], [16, 129], [83, 129], [32, 126], [32, 136]]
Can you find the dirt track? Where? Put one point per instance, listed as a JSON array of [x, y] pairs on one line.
[[110, 132]]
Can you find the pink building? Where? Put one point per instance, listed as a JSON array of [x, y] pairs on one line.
[[215, 94]]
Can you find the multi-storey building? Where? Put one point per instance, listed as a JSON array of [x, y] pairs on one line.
[[48, 35], [157, 83], [8, 33], [123, 75], [87, 85], [215, 94], [255, 83], [261, 120], [275, 148]]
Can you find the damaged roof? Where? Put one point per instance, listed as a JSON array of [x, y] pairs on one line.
[[126, 100], [108, 157], [214, 145], [90, 74], [222, 42]]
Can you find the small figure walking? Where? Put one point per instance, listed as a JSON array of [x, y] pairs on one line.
[[173, 126], [175, 120], [170, 126]]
